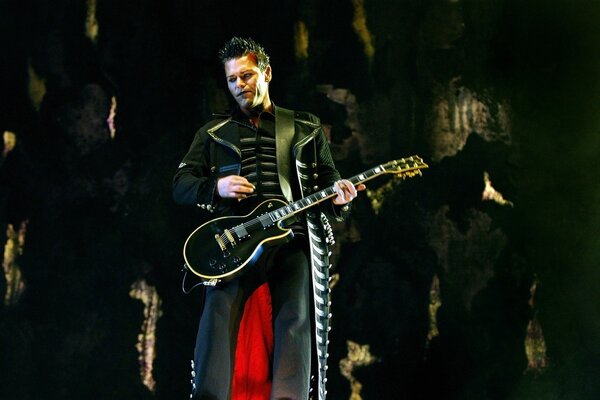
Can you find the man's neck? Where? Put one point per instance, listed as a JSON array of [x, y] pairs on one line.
[[254, 113], [259, 109]]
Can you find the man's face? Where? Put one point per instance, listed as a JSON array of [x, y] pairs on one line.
[[247, 84]]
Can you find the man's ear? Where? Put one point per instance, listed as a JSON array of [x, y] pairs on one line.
[[268, 73]]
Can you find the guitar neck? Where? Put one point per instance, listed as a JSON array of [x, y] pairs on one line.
[[322, 195]]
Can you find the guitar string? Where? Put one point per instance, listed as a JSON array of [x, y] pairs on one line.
[[285, 211], [314, 198]]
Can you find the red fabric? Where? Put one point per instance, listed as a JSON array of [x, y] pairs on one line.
[[252, 370]]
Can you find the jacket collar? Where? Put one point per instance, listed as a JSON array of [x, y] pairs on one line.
[[238, 116]]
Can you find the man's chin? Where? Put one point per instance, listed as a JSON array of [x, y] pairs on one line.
[[244, 104]]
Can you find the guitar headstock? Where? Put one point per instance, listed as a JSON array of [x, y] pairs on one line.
[[405, 167]]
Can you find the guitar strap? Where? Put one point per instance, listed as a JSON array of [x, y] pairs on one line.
[[284, 134]]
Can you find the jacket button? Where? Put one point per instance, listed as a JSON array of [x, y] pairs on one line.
[[213, 169], [315, 188], [315, 176]]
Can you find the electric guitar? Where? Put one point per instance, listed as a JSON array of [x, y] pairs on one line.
[[220, 248]]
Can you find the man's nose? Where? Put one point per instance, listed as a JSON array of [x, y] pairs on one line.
[[240, 82]]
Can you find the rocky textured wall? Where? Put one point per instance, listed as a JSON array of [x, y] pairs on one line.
[[476, 281]]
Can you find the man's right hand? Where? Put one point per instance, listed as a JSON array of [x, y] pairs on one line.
[[234, 186]]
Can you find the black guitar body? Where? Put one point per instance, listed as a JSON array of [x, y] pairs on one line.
[[217, 250]]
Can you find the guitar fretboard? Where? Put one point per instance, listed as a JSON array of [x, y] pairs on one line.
[[405, 166], [317, 197]]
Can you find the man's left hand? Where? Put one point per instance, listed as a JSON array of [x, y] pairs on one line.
[[346, 191]]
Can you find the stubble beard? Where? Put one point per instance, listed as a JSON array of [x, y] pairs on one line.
[[254, 106]]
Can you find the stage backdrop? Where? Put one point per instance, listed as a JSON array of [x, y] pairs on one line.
[[478, 280]]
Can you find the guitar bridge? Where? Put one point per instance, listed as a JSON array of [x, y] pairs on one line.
[[230, 237], [220, 242]]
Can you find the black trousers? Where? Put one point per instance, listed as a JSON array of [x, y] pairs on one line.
[[287, 270]]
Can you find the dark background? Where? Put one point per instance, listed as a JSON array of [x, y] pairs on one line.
[[101, 216]]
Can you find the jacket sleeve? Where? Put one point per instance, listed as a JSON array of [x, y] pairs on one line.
[[327, 176], [194, 183]]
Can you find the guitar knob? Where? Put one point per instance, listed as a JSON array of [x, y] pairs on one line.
[[212, 262], [222, 267], [226, 254], [236, 260]]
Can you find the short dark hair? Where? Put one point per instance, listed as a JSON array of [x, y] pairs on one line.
[[237, 47]]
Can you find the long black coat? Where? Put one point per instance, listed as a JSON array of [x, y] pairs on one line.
[[215, 153]]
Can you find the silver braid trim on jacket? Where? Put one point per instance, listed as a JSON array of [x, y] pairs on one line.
[[320, 277]]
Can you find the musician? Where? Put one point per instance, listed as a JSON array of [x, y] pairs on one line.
[[236, 161]]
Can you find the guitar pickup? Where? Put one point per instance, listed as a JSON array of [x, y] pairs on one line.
[[240, 231]]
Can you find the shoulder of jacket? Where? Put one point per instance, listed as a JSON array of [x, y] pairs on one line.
[[306, 118]]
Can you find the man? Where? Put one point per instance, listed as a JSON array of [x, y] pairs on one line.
[[257, 152]]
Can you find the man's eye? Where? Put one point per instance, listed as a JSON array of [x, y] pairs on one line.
[[232, 80]]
